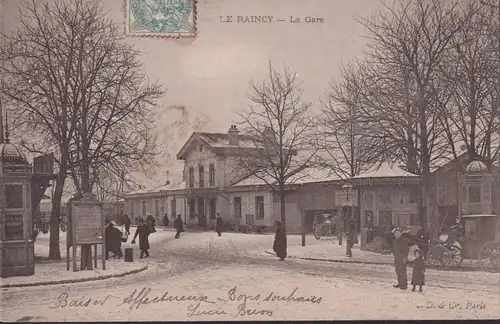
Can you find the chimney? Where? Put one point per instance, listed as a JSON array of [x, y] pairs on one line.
[[269, 139], [168, 177], [233, 135]]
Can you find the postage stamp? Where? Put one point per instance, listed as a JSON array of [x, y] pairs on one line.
[[161, 18]]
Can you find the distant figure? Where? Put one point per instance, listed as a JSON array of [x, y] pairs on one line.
[[218, 225], [279, 245], [151, 222], [178, 226], [203, 222], [113, 238], [339, 225], [418, 274], [401, 250], [127, 223], [143, 232], [165, 220]]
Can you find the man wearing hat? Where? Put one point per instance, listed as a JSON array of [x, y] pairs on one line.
[[400, 251]]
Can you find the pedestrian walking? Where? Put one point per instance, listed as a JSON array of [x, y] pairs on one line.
[[218, 225], [113, 238], [143, 232], [339, 225], [178, 226], [203, 221], [350, 235], [165, 220], [279, 245], [418, 274], [127, 223], [400, 258]]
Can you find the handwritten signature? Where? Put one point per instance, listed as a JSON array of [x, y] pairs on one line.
[[199, 304], [453, 305]]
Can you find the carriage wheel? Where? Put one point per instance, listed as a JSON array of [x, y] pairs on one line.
[[435, 256], [452, 257], [489, 256]]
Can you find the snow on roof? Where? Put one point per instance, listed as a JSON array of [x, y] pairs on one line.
[[385, 170], [314, 174], [253, 181], [222, 140], [172, 186]]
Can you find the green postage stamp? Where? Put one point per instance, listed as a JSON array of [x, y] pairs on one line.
[[161, 18]]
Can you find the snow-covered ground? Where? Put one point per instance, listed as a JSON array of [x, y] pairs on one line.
[[206, 269]]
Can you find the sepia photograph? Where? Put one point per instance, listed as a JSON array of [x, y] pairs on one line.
[[249, 160]]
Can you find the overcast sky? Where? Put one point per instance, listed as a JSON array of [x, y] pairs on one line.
[[210, 73]]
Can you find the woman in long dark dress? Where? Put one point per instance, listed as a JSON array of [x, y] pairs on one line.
[[143, 232], [418, 274], [280, 241]]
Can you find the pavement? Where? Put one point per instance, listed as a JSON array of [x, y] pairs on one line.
[[203, 277]]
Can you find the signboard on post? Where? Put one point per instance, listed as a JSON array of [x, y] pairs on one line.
[[86, 227]]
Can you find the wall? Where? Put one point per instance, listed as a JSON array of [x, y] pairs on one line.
[[194, 158], [248, 206]]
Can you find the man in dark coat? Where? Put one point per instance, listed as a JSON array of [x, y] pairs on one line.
[[279, 245], [127, 223], [143, 232], [218, 225], [203, 222], [165, 220], [113, 238], [350, 233], [178, 226], [400, 251]]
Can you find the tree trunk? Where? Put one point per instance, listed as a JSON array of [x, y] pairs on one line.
[[283, 215], [86, 258], [54, 251]]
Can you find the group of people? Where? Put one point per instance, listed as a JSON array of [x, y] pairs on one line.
[[399, 243]]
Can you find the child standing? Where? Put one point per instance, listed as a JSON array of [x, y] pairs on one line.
[[418, 275], [143, 231]]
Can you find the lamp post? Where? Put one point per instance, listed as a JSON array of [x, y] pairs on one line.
[[348, 218]]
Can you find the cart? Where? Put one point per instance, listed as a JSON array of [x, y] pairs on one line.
[[323, 226], [476, 237]]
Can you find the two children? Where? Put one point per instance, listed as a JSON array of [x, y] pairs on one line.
[[418, 275]]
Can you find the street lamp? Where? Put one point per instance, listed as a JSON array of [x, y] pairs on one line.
[[348, 226]]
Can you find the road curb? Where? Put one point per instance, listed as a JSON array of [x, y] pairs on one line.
[[333, 260], [59, 282]]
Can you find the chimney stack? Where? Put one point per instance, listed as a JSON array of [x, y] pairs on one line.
[[233, 135]]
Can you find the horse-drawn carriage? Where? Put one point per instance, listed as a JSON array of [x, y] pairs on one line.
[[476, 237], [323, 225]]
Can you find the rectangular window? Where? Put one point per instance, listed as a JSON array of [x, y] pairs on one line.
[[211, 169], [191, 208], [384, 217], [173, 208], [13, 227], [211, 206], [157, 208], [14, 196], [144, 208], [414, 219], [474, 194], [259, 207], [237, 207], [414, 194], [201, 175], [191, 177], [369, 217]]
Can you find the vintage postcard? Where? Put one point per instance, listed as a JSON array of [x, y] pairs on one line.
[[249, 160]]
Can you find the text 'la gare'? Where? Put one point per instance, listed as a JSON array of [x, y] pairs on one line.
[[269, 19]]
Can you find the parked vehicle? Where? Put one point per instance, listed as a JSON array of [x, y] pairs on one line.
[[476, 237]]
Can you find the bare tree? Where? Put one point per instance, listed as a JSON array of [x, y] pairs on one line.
[[79, 92], [347, 144], [408, 41], [283, 132], [465, 92]]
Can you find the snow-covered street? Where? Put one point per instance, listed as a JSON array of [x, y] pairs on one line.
[[204, 277]]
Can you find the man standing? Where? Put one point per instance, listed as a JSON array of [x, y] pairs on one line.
[[400, 258], [339, 222], [178, 226], [127, 223], [113, 240], [218, 225]]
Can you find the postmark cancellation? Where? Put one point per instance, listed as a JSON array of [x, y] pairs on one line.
[[161, 18]]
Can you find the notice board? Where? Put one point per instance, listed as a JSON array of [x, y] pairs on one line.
[[87, 221]]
